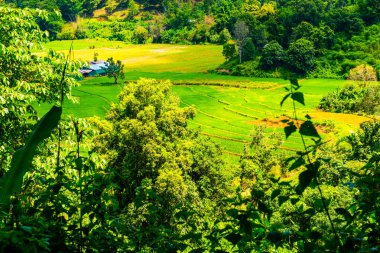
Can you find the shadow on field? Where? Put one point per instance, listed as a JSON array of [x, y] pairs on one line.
[[107, 84]]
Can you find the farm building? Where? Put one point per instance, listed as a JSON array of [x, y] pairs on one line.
[[95, 68]]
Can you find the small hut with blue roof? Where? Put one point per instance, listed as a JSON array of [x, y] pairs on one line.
[[95, 68]]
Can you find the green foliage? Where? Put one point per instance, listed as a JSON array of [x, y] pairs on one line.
[[26, 78], [11, 182], [272, 56], [300, 57], [365, 142], [352, 98], [229, 50], [249, 50], [158, 166], [115, 70], [149, 183], [141, 34]]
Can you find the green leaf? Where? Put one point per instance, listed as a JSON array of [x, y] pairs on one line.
[[294, 200], [318, 203], [298, 163], [298, 96], [304, 179], [284, 98], [275, 193], [282, 199], [289, 129], [294, 83], [346, 214], [233, 238], [307, 128], [233, 213], [11, 182], [45, 126]]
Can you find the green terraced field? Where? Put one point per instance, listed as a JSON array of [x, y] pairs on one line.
[[228, 107]]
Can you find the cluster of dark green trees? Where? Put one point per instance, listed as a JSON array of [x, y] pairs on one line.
[[142, 181]]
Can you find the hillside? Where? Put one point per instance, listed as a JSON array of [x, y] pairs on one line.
[[319, 38]]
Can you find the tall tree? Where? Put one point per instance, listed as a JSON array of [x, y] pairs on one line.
[[241, 33]]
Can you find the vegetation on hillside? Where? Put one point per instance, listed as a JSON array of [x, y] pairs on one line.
[[319, 38], [141, 180]]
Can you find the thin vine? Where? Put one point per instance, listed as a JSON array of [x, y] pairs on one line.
[[306, 129]]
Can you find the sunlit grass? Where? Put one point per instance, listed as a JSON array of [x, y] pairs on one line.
[[148, 58]]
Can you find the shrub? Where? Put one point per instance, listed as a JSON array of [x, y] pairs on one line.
[[229, 50], [249, 50], [273, 56], [67, 33], [353, 98], [141, 34], [125, 35], [363, 74], [224, 36], [342, 100], [300, 58], [250, 68]]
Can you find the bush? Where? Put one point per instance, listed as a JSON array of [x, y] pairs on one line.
[[342, 100], [250, 68], [300, 58], [125, 35], [224, 36], [352, 99], [363, 74], [229, 50], [249, 50], [183, 36], [141, 35], [273, 56], [67, 33]]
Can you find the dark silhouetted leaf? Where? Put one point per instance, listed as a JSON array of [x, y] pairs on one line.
[[298, 163], [233, 238], [263, 207], [298, 96], [294, 200], [307, 128], [294, 82], [304, 179], [289, 129], [233, 213], [282, 199], [275, 193], [346, 214], [274, 236], [285, 98]]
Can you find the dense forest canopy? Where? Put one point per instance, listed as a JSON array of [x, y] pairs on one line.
[[142, 180]]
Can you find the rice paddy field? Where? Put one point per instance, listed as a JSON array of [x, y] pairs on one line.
[[228, 107]]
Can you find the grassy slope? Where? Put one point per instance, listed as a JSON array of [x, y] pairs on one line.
[[226, 114]]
